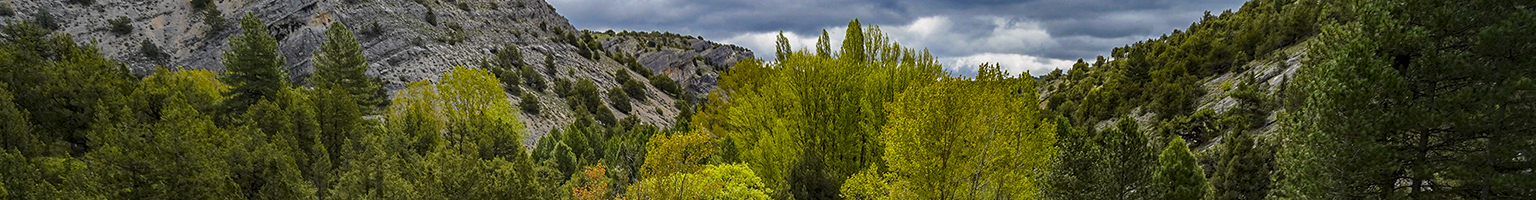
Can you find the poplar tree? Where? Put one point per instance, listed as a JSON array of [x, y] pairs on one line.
[[781, 49], [824, 45]]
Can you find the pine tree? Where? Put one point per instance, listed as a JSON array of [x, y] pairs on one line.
[[1243, 171], [340, 61], [1178, 175], [252, 65], [1379, 113]]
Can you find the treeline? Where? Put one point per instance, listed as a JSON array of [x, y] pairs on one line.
[[1397, 99]]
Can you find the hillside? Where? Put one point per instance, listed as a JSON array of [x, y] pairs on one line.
[[1280, 99], [405, 41]]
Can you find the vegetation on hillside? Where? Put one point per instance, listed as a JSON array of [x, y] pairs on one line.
[[1396, 99]]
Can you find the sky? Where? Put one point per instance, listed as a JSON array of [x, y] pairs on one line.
[[1022, 35]]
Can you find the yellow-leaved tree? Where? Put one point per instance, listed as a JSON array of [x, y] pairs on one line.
[[983, 138]]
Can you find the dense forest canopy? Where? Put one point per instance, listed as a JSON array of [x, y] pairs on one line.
[[1393, 99]]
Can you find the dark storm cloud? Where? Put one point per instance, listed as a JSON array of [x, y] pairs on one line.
[[1038, 33]]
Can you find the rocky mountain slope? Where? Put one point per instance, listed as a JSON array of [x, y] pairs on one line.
[[405, 41]]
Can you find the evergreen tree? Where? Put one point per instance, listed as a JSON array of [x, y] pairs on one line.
[[253, 66], [1178, 175], [1379, 113], [340, 61], [1243, 171]]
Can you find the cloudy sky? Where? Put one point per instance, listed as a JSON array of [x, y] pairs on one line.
[[1032, 35]]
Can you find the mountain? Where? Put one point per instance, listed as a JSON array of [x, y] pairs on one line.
[[406, 41]]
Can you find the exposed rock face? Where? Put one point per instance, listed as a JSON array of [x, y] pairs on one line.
[[400, 43]]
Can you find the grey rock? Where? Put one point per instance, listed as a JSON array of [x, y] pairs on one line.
[[406, 49]]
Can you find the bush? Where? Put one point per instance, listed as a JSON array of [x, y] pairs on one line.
[[6, 10], [509, 78], [151, 51], [121, 25], [661, 81], [634, 89], [619, 100], [214, 19], [464, 6], [200, 4], [562, 88], [529, 104], [531, 78], [455, 34], [45, 19], [431, 17]]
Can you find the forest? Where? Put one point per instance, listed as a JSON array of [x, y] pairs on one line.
[[1396, 99]]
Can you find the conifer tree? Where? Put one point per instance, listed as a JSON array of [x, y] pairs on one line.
[[1243, 171], [252, 65], [1178, 175], [340, 61]]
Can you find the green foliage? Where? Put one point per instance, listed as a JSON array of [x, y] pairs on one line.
[[619, 99], [45, 18], [735, 181], [807, 122], [1243, 171], [633, 88], [676, 154], [199, 4], [15, 130], [215, 19], [937, 145], [1177, 175], [253, 66], [46, 75], [340, 62], [121, 25], [665, 84], [529, 104], [7, 10], [1382, 114], [152, 51], [531, 78]]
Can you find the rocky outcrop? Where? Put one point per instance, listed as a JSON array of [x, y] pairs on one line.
[[403, 40]]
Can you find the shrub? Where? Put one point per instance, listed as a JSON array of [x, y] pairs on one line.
[[200, 4], [661, 81], [529, 104], [45, 19], [634, 89], [531, 78], [619, 100], [455, 34], [562, 88], [214, 19], [431, 16], [464, 6], [121, 25], [151, 51], [6, 10]]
